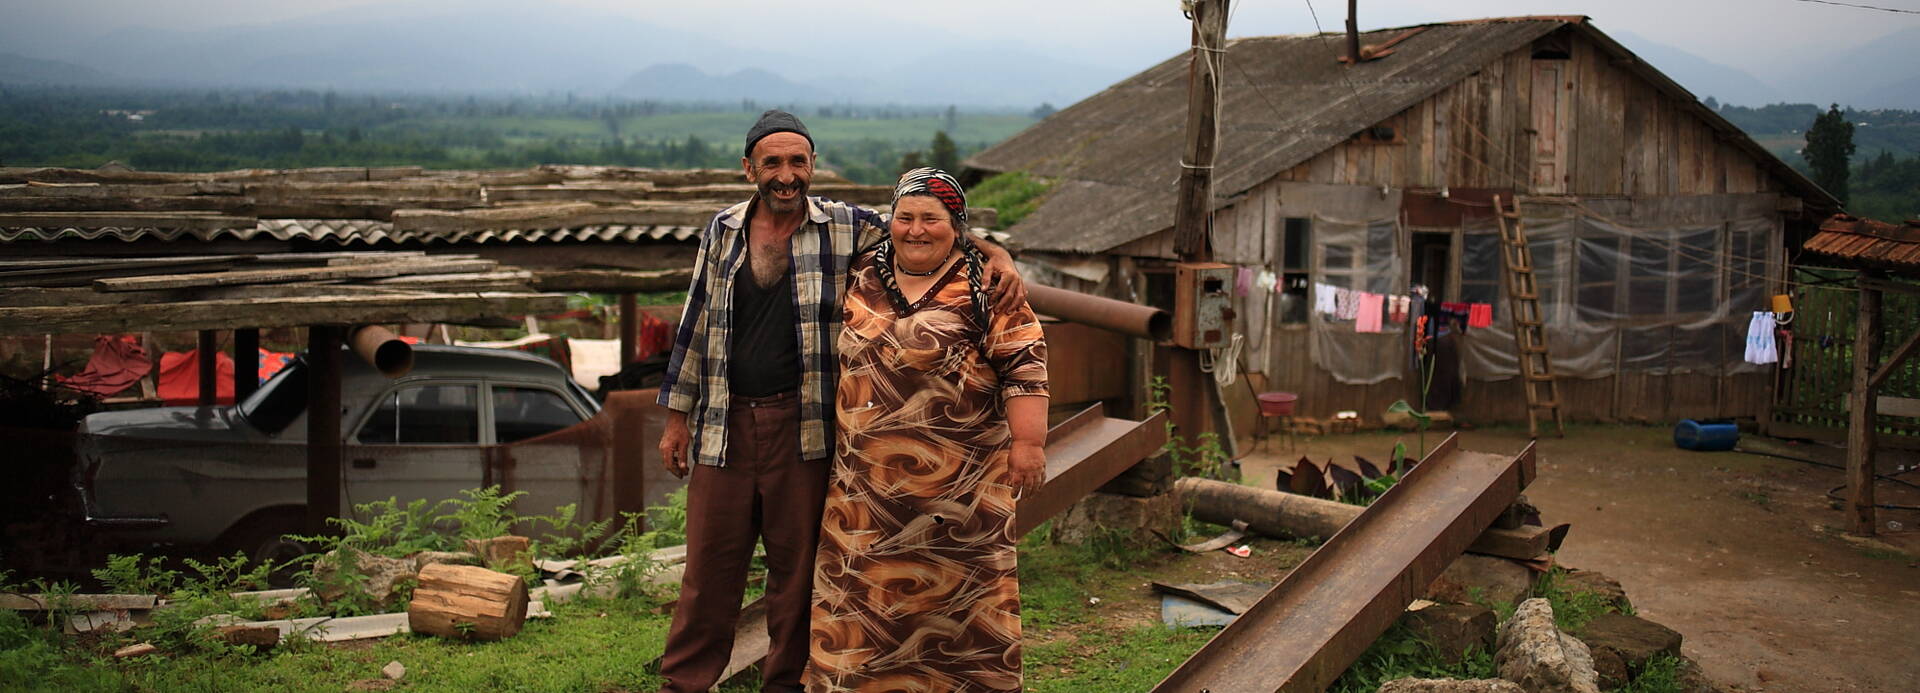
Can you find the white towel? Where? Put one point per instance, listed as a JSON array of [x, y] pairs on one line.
[[1323, 299], [1760, 346]]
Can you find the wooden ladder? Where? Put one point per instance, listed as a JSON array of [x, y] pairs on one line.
[[1529, 324]]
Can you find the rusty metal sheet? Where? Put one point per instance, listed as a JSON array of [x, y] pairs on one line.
[[1318, 620]]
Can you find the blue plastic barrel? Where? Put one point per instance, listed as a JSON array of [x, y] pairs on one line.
[[1706, 436]]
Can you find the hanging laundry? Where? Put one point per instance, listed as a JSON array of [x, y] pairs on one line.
[[1760, 346], [1397, 309], [1451, 307], [1785, 344], [1480, 315], [1367, 313], [1243, 281], [1264, 280], [1348, 301], [1325, 299]]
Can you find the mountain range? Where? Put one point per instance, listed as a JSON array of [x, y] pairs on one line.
[[495, 46]]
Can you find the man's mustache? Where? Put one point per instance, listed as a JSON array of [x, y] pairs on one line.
[[778, 186]]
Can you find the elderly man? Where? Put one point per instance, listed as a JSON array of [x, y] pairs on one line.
[[750, 389]]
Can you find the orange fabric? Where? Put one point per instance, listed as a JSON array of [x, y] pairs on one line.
[[180, 377]]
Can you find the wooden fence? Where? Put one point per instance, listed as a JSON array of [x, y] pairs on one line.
[[1810, 398]]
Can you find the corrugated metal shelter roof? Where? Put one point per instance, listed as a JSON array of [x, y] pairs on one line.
[[352, 231], [1869, 243], [1116, 155]]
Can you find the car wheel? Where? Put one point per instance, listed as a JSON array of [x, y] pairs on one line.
[[264, 538]]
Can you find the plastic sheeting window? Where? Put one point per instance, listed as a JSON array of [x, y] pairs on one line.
[[1615, 298], [1359, 256]]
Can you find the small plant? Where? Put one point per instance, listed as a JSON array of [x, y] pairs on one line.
[[1659, 674], [1206, 458], [1573, 609], [1401, 654], [136, 574]]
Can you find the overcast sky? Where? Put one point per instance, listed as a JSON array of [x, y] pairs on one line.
[[1754, 35]]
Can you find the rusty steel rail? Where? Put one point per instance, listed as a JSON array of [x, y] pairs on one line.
[[1083, 452], [1323, 615], [1105, 313]]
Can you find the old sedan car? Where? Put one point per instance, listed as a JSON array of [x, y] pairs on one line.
[[234, 477]]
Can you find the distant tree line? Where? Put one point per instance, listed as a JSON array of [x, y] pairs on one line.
[[212, 130]]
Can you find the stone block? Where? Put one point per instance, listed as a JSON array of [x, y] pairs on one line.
[[1630, 640], [1596, 583], [1151, 477], [1106, 515], [1534, 653], [1486, 580], [1453, 629]]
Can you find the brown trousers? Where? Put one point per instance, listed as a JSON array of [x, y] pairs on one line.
[[764, 492]]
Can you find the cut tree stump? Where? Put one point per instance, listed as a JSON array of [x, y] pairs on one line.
[[503, 552], [467, 603]]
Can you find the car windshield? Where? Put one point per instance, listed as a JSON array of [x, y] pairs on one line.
[[279, 400]]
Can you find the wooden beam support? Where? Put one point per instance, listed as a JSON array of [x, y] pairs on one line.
[[1899, 356], [323, 426], [246, 363], [612, 280], [343, 308], [208, 354], [629, 329], [1863, 405]]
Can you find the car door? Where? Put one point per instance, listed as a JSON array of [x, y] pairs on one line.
[[420, 440], [552, 472]]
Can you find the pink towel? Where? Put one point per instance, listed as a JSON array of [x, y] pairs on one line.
[[1368, 317], [1243, 281]]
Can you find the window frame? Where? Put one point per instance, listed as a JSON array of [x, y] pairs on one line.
[[483, 429], [491, 426]]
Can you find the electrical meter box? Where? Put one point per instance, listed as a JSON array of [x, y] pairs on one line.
[[1203, 305]]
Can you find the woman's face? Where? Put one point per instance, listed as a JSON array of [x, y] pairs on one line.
[[923, 232]]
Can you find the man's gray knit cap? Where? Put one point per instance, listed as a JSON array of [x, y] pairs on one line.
[[774, 120]]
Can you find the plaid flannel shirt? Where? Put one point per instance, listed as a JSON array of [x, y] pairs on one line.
[[696, 377]]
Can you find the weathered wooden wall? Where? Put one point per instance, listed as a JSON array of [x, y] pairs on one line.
[[1617, 134]]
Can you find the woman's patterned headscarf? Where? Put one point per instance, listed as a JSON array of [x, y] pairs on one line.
[[943, 187]]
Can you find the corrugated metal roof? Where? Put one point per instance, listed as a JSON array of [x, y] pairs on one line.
[[1116, 155], [1868, 242], [352, 231]]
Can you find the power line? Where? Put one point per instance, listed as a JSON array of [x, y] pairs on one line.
[[1861, 7]]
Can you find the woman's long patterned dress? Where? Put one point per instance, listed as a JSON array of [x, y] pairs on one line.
[[914, 585]]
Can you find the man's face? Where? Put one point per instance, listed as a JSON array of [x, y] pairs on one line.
[[782, 167]]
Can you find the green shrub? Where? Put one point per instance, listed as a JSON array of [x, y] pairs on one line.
[[1014, 195]]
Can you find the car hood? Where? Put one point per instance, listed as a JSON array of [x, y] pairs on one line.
[[177, 423]]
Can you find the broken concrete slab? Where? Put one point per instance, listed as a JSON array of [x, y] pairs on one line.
[[1099, 514], [1485, 580], [260, 637], [1451, 686], [394, 670], [85, 602], [135, 650], [1453, 630], [1535, 654]]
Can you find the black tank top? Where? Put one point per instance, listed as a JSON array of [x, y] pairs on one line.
[[764, 358]]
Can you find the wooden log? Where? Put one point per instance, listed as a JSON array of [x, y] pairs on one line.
[[612, 281], [1293, 516], [467, 603], [343, 308], [283, 276], [553, 216], [198, 221], [503, 553]]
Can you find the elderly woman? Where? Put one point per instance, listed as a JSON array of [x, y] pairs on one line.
[[941, 417]]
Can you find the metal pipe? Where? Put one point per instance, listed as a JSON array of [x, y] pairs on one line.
[[1104, 313], [382, 349]]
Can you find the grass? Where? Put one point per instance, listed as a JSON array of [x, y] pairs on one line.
[[1572, 609], [1661, 674], [1400, 654], [1133, 659]]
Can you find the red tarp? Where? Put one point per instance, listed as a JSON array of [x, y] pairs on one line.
[[180, 377], [118, 362]]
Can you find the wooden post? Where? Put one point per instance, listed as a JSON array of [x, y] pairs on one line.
[[208, 353], [246, 363], [1193, 210], [1353, 33], [629, 329], [323, 426], [1861, 409]]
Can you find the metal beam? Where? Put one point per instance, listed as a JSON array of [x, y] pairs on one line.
[[1325, 613], [1083, 453]]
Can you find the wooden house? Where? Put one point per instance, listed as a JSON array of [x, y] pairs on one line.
[[1657, 226]]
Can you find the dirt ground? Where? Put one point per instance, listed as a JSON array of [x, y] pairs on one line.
[[1743, 554]]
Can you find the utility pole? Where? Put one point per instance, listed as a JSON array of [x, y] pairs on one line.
[[1192, 233], [1191, 390]]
